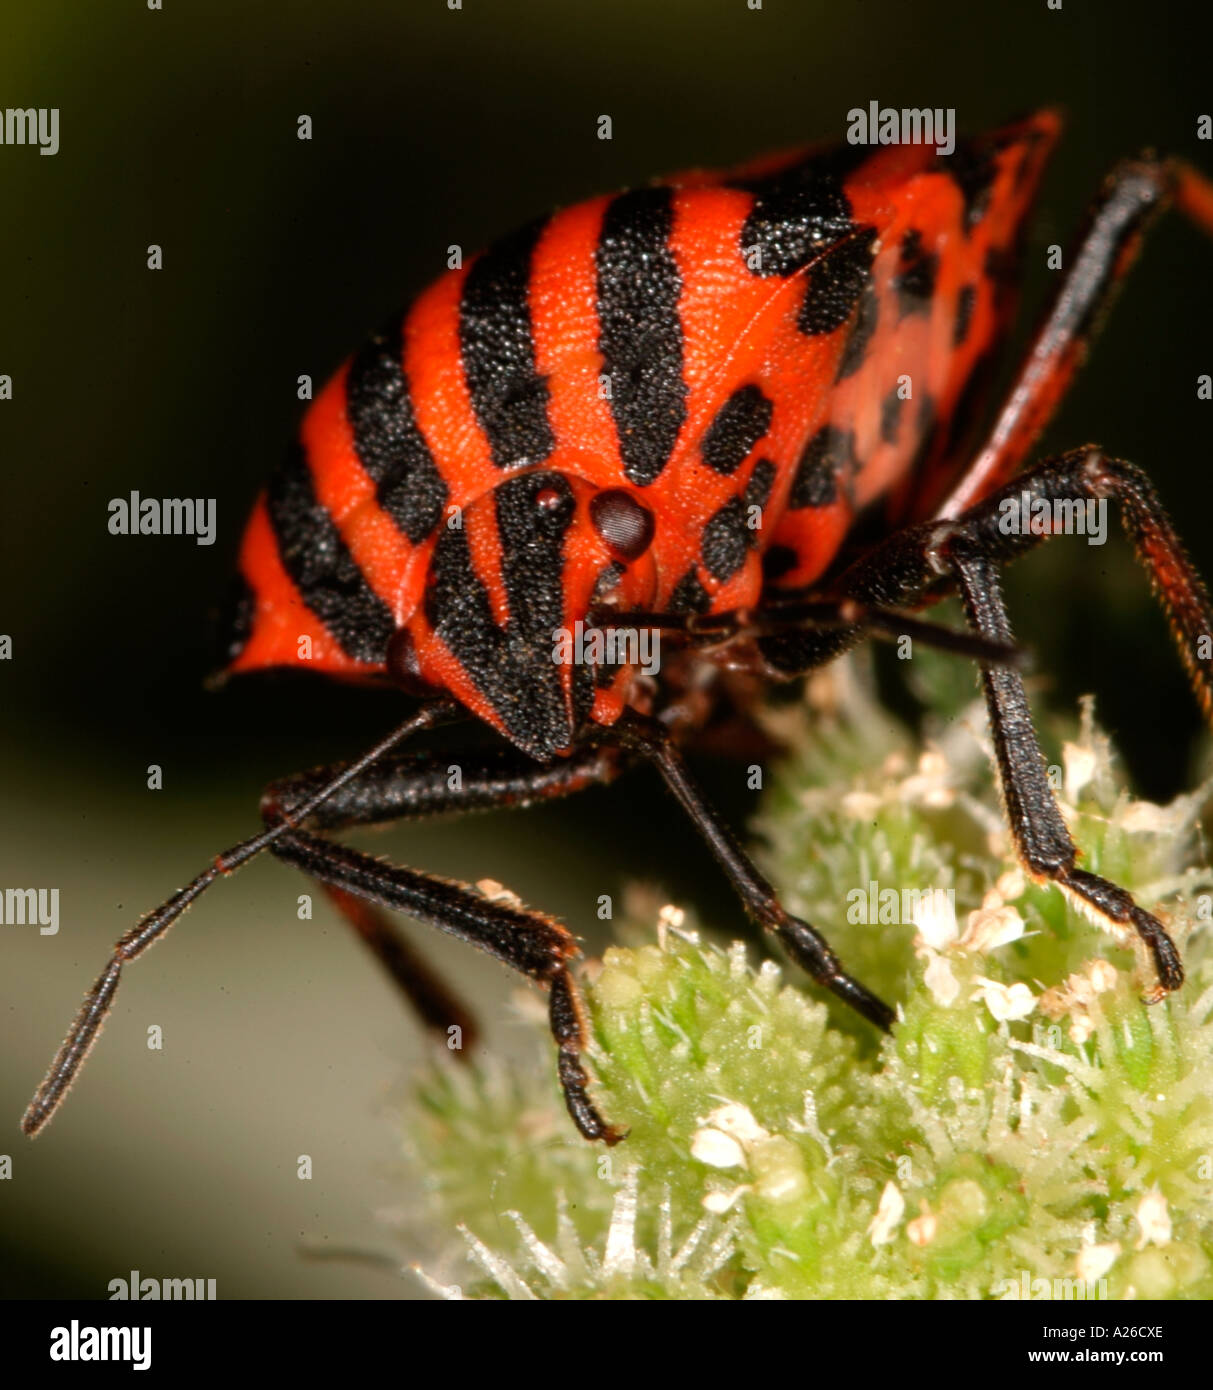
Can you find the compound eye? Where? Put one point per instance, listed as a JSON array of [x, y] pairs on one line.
[[622, 522]]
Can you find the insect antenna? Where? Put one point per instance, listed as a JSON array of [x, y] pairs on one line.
[[88, 1021], [777, 618]]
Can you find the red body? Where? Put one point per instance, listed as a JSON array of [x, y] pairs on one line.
[[798, 303]]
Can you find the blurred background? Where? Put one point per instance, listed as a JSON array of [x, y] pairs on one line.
[[431, 126]]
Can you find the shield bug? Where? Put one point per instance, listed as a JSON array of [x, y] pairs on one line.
[[677, 410]]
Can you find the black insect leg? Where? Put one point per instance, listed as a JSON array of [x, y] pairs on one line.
[[916, 565], [413, 786], [410, 786], [806, 946], [530, 942], [418, 786], [92, 1013], [379, 787], [1040, 834], [435, 1003], [1088, 475], [1134, 191], [924, 562]]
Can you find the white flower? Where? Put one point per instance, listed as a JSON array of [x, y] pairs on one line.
[[1144, 817], [719, 1202], [939, 979], [1005, 1002], [1102, 974], [1082, 1029], [1094, 1261], [935, 918], [860, 805], [738, 1121], [1011, 884], [717, 1149], [724, 1141], [930, 786], [892, 1207], [1154, 1219], [991, 927]]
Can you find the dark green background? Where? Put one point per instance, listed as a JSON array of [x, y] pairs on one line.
[[431, 127]]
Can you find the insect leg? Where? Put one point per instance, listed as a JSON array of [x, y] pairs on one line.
[[433, 1000], [804, 944], [415, 786], [1135, 190], [923, 562], [91, 1016], [530, 942], [916, 565], [993, 529], [1040, 834]]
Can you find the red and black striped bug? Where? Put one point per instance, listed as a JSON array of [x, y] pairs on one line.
[[673, 408]]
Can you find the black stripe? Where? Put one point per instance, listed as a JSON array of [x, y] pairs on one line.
[[318, 560], [639, 331], [917, 270], [608, 578], [778, 561], [729, 535], [509, 397], [739, 424], [762, 480], [925, 425], [513, 666], [824, 458], [534, 513], [972, 167], [834, 284], [890, 415], [726, 540], [689, 595], [733, 530], [389, 445], [799, 211], [856, 350]]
